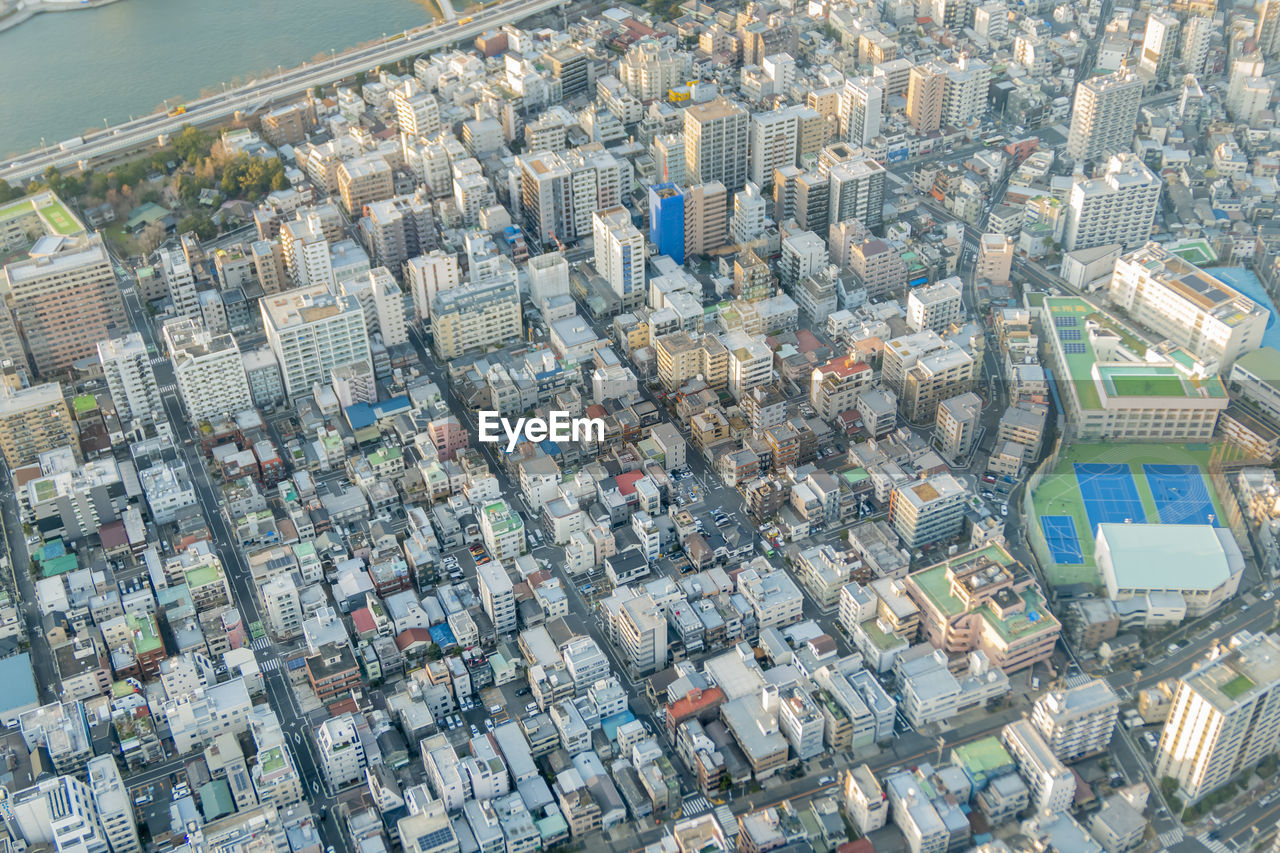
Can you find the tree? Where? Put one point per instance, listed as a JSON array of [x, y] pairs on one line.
[[1168, 786], [8, 192], [201, 224], [318, 92], [360, 79], [192, 144]]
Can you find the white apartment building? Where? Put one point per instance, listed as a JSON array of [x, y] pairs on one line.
[[1119, 207], [429, 275], [860, 111], [927, 511], [306, 251], [383, 304], [641, 627], [921, 826], [619, 254], [126, 366], [60, 812], [282, 606], [417, 112], [548, 279], [749, 210], [497, 595], [1225, 716], [864, 800], [342, 756], [649, 70], [312, 332], [935, 306], [773, 596], [957, 426], [115, 811], [716, 142], [774, 137], [923, 369], [475, 316], [964, 96], [750, 362], [1103, 116], [180, 282], [1164, 293], [1078, 721], [196, 718], [1053, 786], [503, 531], [800, 722], [209, 371]]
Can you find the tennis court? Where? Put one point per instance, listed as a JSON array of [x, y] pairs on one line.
[[1180, 494], [1063, 541], [1110, 494]]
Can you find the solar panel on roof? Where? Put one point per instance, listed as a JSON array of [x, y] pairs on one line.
[[1073, 349], [1069, 334], [1065, 322]]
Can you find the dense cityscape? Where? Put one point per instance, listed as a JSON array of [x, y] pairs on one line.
[[849, 426]]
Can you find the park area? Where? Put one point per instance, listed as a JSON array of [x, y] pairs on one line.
[[1117, 483]]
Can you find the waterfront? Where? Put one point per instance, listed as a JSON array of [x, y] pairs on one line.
[[64, 73]]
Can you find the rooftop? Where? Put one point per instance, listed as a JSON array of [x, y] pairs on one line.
[[1168, 556]]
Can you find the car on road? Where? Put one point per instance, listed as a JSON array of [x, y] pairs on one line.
[[1004, 510], [474, 731], [1150, 740], [825, 780], [1268, 595], [488, 724], [1171, 648]]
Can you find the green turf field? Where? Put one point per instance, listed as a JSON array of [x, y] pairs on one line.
[[1059, 493]]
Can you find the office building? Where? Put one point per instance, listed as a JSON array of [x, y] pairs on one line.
[[58, 812], [774, 137], [209, 371], [706, 208], [1078, 721], [931, 510], [856, 192], [34, 420], [65, 299], [126, 367], [1103, 116], [619, 254], [312, 333], [475, 316], [925, 88], [497, 595], [1225, 716], [112, 800], [1160, 291], [666, 220], [1120, 207], [716, 142]]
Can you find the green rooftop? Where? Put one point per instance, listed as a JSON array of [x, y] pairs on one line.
[[383, 455], [271, 760], [1263, 363], [59, 565], [84, 403], [202, 575], [883, 640], [983, 757], [45, 490], [1034, 617], [53, 213], [146, 637], [1238, 686], [1197, 252]]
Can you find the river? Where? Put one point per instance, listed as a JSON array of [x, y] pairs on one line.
[[64, 72]]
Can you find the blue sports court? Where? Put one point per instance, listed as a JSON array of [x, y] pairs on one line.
[[1180, 494], [1110, 494], [1063, 541]]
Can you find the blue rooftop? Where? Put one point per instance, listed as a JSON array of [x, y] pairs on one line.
[[442, 636], [1246, 281], [16, 672]]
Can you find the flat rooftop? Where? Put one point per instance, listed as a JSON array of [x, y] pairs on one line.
[[1167, 556]]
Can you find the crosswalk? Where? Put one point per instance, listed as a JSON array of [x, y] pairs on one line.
[[728, 822], [261, 644], [1170, 837], [168, 389], [695, 805], [1212, 843], [158, 359], [269, 665]]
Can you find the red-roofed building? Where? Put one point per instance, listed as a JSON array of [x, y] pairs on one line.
[[862, 845], [362, 621], [413, 641], [627, 483], [697, 703], [834, 387]]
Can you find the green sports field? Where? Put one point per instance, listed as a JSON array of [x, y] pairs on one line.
[[1059, 493]]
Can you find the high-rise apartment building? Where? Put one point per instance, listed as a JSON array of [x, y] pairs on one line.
[[706, 209], [619, 254], [115, 811], [1160, 45], [716, 139], [927, 511], [417, 112], [649, 70], [497, 595], [1078, 721], [475, 316], [925, 88], [1119, 207], [559, 192], [773, 138], [126, 366], [1103, 116], [1197, 34], [342, 755], [429, 275], [923, 370], [364, 179], [549, 278], [935, 306], [306, 251], [861, 110], [1269, 28], [1225, 716], [964, 96], [209, 370], [666, 220], [383, 304], [397, 229], [312, 332], [856, 191], [180, 281], [749, 213], [58, 812], [65, 299], [33, 420]]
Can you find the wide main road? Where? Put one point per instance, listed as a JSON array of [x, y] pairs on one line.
[[256, 95]]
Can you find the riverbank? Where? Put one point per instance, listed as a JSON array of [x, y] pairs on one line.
[[25, 10]]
